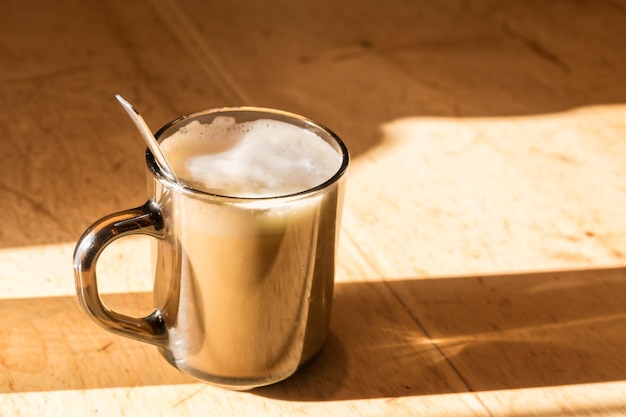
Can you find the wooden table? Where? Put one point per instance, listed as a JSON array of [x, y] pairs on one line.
[[482, 268]]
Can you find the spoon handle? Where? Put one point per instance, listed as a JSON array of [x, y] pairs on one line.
[[147, 136]]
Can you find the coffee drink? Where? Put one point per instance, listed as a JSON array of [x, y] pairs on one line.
[[249, 296], [244, 247]]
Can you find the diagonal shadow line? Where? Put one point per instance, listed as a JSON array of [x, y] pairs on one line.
[[484, 333], [479, 61], [471, 334], [527, 330]]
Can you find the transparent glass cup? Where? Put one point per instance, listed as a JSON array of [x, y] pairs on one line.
[[243, 286]]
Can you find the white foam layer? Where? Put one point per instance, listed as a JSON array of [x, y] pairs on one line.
[[262, 158]]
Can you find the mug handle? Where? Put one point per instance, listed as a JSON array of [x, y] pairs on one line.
[[146, 219]]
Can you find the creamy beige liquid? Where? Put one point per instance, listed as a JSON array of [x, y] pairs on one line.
[[253, 299]]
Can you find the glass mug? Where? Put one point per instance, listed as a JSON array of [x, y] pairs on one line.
[[243, 286]]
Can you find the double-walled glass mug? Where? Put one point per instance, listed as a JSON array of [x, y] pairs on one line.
[[243, 285]]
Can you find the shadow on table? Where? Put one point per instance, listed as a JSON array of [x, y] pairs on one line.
[[49, 344], [376, 63], [389, 339], [469, 334]]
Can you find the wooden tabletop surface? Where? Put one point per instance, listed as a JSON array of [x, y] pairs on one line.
[[482, 264]]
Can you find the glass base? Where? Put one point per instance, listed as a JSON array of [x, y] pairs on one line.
[[231, 383]]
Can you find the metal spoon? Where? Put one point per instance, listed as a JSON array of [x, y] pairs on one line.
[[147, 136]]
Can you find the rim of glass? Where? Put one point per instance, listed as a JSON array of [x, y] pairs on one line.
[[157, 172]]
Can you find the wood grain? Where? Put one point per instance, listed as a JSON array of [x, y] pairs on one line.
[[481, 268]]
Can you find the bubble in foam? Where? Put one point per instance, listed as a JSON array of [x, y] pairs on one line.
[[261, 158]]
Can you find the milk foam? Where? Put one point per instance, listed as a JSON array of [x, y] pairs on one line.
[[261, 158]]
